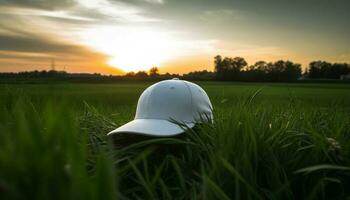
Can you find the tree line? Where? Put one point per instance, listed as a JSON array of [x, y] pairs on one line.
[[225, 69], [237, 69], [326, 70]]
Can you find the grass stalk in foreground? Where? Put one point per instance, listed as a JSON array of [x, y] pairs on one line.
[[252, 151]]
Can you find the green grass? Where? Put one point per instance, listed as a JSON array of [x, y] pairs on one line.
[[268, 141]]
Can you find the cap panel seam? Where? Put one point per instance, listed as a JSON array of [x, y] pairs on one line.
[[149, 97], [189, 89]]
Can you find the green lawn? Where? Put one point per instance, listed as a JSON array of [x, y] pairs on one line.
[[269, 141], [110, 96]]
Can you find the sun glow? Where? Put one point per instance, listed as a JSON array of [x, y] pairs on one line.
[[131, 49]]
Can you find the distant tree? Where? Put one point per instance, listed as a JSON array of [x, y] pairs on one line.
[[217, 62], [238, 63], [283, 71], [218, 67], [339, 69], [141, 74], [130, 74], [319, 69], [277, 71], [199, 75], [235, 65], [256, 72], [257, 66], [322, 69], [154, 72], [292, 71], [261, 66], [228, 68]]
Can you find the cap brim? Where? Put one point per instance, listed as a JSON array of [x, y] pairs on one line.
[[152, 127]]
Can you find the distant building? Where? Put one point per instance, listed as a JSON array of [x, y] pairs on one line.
[[345, 77]]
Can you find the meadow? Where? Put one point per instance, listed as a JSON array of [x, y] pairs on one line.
[[268, 141]]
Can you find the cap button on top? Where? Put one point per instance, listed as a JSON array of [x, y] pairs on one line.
[[175, 79]]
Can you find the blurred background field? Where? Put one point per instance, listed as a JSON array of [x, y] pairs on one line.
[[269, 141], [109, 96]]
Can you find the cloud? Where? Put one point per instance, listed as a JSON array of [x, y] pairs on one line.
[[27, 12], [116, 11], [78, 10], [38, 49], [63, 23], [67, 57], [9, 55], [40, 4], [33, 44], [221, 15], [155, 1], [33, 31]]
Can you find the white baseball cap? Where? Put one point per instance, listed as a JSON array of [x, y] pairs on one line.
[[166, 102]]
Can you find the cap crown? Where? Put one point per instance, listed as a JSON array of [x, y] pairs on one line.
[[178, 100]]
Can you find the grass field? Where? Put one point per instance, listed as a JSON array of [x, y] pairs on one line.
[[268, 141]]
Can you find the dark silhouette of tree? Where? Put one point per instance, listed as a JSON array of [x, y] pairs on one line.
[[228, 68], [326, 70], [318, 69], [141, 74], [259, 65], [291, 71], [130, 74], [218, 68], [238, 63], [284, 71], [339, 69], [235, 66], [237, 69], [154, 72], [256, 72], [200, 75]]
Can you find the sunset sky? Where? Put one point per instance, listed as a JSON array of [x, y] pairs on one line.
[[178, 36]]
